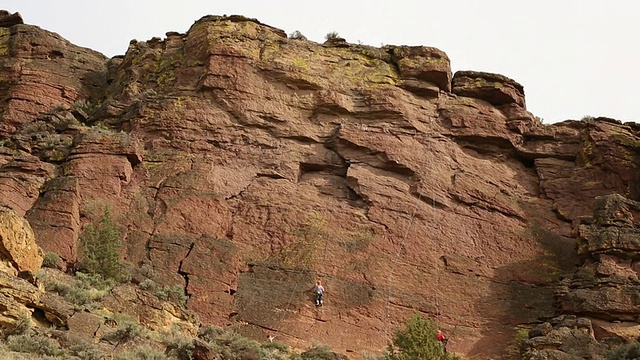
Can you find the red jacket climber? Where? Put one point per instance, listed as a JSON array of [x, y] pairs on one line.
[[442, 341]]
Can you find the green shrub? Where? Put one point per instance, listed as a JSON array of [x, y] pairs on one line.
[[210, 333], [367, 356], [628, 351], [521, 337], [86, 351], [126, 331], [51, 260], [32, 343], [297, 35], [231, 345], [148, 285], [178, 345], [417, 340], [173, 293], [319, 352], [84, 105], [276, 345], [82, 289], [588, 118], [100, 243], [21, 327], [144, 352], [332, 36], [52, 284]]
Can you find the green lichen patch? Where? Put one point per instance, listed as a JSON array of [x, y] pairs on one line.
[[4, 41]]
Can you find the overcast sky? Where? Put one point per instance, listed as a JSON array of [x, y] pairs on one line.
[[573, 57]]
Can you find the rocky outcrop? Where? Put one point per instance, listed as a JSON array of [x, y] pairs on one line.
[[496, 89], [21, 178], [606, 284], [242, 165], [8, 19], [17, 244], [41, 71], [149, 311], [17, 298], [19, 255], [418, 64], [563, 338]]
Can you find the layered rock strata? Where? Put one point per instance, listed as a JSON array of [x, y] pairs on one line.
[[242, 165]]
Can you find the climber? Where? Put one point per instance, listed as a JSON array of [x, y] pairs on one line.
[[442, 341], [319, 291]]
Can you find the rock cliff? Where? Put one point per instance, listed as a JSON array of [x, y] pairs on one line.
[[244, 165]]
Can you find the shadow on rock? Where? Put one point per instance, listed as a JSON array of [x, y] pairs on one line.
[[523, 293]]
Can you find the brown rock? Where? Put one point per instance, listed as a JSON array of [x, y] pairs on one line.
[[84, 325], [7, 19], [148, 310], [17, 242], [43, 71], [626, 331], [202, 351], [605, 284], [493, 88], [56, 310], [242, 165], [20, 180], [615, 228], [55, 217], [570, 338], [17, 297], [422, 64]]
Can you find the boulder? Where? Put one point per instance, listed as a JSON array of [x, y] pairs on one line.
[[17, 297], [17, 243], [8, 19], [496, 89], [424, 64], [564, 338]]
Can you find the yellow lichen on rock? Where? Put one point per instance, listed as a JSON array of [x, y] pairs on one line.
[[14, 294], [18, 247], [4, 41]]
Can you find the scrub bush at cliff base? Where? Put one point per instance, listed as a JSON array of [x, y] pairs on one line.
[[417, 339]]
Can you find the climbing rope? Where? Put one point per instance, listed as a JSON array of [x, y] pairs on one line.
[[397, 257], [435, 293], [300, 278]]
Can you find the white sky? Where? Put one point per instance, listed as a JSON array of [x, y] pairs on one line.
[[573, 57]]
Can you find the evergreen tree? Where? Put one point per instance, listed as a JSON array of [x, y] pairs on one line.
[[416, 340], [100, 244]]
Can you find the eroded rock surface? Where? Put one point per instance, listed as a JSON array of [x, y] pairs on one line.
[[18, 246], [242, 165], [606, 284], [19, 255], [563, 338]]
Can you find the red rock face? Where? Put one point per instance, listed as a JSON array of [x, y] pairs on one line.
[[41, 71], [243, 165]]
